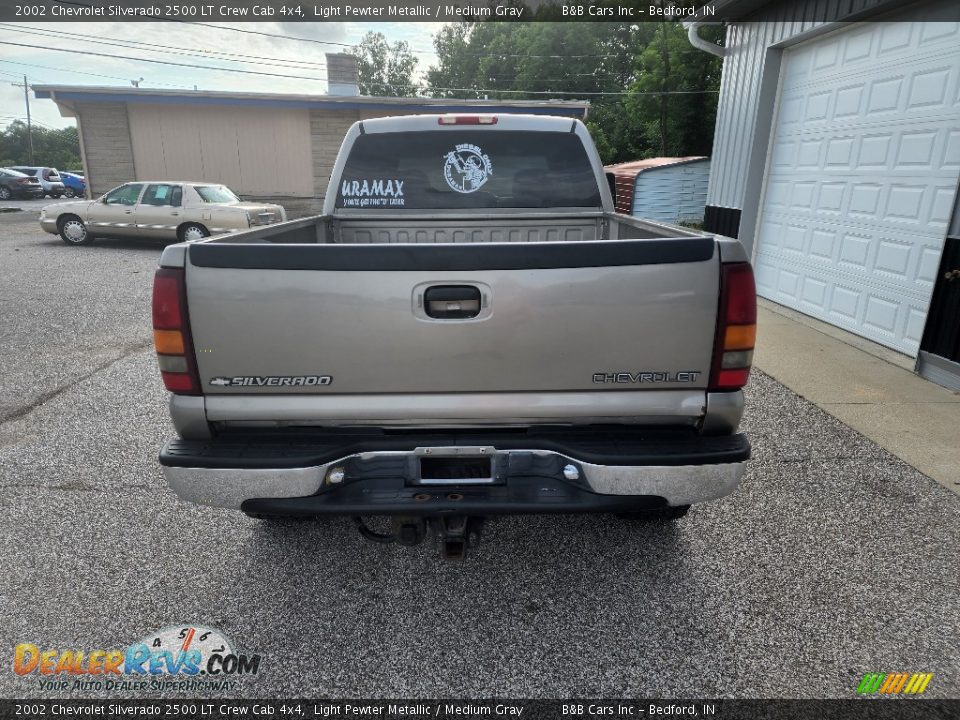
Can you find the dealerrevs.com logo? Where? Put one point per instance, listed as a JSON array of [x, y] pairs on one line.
[[180, 657]]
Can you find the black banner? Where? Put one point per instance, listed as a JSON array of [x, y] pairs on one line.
[[855, 709], [622, 11]]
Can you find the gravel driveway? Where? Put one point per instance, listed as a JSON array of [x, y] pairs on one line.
[[834, 559]]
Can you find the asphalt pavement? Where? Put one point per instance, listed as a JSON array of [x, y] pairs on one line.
[[834, 558]]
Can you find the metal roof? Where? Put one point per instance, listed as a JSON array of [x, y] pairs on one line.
[[625, 176], [67, 94], [635, 167]]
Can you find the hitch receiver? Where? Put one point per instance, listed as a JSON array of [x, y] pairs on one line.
[[454, 532]]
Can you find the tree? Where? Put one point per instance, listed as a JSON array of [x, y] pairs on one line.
[[628, 72], [51, 148], [384, 68], [675, 92]]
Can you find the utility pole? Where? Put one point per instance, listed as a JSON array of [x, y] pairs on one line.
[[26, 99]]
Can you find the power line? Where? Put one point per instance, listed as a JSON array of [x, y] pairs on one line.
[[228, 57], [274, 35], [161, 62], [33, 120], [78, 72], [136, 45], [382, 85], [413, 50]]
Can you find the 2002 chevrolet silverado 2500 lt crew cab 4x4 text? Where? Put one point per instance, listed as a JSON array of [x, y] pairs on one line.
[[468, 330]]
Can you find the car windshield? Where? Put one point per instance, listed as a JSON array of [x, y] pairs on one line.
[[14, 173], [216, 194]]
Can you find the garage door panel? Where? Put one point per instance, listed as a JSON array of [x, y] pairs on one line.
[[920, 150], [893, 264], [875, 45], [880, 313], [863, 169], [897, 205]]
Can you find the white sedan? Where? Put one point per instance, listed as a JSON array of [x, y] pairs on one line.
[[179, 211]]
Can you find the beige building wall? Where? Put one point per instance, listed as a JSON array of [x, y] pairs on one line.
[[258, 152], [327, 128], [263, 152]]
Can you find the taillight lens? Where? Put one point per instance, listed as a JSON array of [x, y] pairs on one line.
[[736, 328], [171, 332]]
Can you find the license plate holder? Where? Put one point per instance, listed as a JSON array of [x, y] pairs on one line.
[[456, 465]]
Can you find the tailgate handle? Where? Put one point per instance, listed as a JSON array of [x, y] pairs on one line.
[[452, 302]]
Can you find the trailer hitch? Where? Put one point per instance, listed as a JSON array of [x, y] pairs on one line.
[[454, 533]]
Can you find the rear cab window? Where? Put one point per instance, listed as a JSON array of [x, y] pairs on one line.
[[446, 169]]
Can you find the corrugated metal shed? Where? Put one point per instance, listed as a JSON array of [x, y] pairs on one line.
[[667, 189]]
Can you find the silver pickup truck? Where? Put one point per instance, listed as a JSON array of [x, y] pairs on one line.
[[468, 330]]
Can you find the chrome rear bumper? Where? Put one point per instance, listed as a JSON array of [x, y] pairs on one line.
[[388, 480]]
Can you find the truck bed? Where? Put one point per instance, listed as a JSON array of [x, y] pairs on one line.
[[484, 227]]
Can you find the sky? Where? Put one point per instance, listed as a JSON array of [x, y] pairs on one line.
[[65, 56]]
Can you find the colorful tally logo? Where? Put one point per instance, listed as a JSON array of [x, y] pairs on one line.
[[894, 683]]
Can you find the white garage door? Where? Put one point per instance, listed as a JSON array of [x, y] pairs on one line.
[[862, 175]]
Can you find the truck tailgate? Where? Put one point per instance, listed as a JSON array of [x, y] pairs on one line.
[[317, 319]]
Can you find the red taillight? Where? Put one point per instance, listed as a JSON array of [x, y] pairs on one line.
[[171, 332], [736, 328], [467, 120]]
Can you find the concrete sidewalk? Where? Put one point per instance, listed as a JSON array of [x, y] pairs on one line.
[[870, 388]]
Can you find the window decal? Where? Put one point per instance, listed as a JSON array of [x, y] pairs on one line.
[[372, 193], [466, 169]]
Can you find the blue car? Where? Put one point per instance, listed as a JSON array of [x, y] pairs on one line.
[[74, 185]]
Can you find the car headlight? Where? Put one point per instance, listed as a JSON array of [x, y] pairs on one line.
[[43, 213]]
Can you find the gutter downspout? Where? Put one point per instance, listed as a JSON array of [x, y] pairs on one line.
[[693, 35]]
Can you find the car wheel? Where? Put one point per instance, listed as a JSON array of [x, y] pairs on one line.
[[664, 514], [55, 196], [192, 232], [73, 231], [5, 193], [69, 192]]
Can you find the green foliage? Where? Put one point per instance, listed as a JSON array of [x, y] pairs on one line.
[[631, 63], [675, 124], [51, 148], [384, 68]]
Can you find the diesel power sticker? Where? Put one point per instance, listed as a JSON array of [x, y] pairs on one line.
[[466, 169]]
